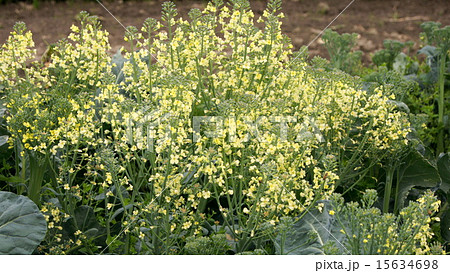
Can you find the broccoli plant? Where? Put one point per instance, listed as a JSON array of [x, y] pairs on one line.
[[434, 35], [393, 58], [339, 48]]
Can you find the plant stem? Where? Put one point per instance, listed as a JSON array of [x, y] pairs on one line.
[[396, 203], [441, 106], [388, 188], [37, 170]]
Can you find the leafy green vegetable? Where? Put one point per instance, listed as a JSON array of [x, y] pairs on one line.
[[214, 245], [310, 234], [445, 226], [416, 171], [443, 165], [339, 47], [392, 55], [22, 225], [84, 220]]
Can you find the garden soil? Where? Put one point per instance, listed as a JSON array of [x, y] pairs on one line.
[[373, 20]]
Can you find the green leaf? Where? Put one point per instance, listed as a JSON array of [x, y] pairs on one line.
[[5, 152], [12, 179], [2, 108], [432, 54], [445, 220], [429, 51], [3, 140], [400, 63], [416, 171], [401, 106], [443, 165], [119, 211], [22, 225], [445, 225], [118, 61], [309, 235], [84, 220]]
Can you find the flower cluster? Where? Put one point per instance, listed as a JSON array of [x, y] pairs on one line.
[[54, 243], [370, 232], [15, 53], [200, 118]]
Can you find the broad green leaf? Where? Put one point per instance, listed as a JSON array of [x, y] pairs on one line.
[[309, 234], [400, 63], [444, 171], [119, 211], [445, 225], [432, 54], [22, 225], [416, 171], [445, 221], [401, 106], [429, 51], [84, 220], [443, 165]]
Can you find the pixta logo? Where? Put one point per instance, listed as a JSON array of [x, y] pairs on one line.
[[154, 127]]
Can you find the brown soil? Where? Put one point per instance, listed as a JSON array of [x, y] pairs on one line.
[[374, 20]]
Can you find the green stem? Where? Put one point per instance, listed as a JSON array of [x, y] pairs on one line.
[[170, 42], [396, 203], [441, 106], [37, 170], [388, 188]]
